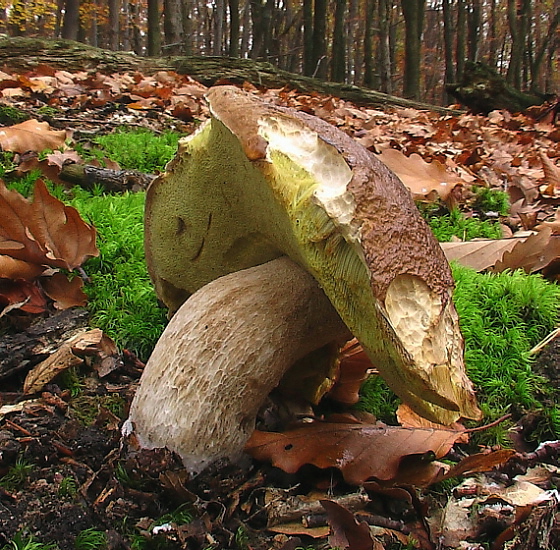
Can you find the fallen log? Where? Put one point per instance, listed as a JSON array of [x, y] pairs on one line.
[[483, 90], [25, 54]]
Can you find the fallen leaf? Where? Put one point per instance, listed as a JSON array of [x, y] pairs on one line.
[[534, 254], [552, 177], [45, 231], [426, 180], [360, 451], [64, 292], [346, 531], [10, 268], [355, 367], [480, 462], [31, 135], [479, 255], [22, 294]]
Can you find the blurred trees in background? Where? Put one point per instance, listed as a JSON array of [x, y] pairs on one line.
[[405, 47]]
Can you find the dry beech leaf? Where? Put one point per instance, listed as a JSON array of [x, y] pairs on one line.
[[479, 255], [346, 531], [552, 177], [360, 451], [31, 135], [10, 268], [426, 180], [480, 462], [355, 367], [65, 292], [534, 254], [22, 294], [45, 231]]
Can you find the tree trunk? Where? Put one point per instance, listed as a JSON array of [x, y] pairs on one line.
[[448, 33], [308, 57], [218, 34], [461, 33], [186, 12], [413, 11], [369, 74], [518, 26], [234, 28], [474, 16], [154, 33], [173, 27], [384, 53], [320, 60], [114, 13], [548, 40], [71, 21], [338, 67]]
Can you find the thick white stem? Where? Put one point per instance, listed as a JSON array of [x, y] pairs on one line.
[[222, 353]]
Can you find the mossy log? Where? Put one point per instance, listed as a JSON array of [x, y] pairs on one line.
[[483, 90], [25, 54], [112, 181]]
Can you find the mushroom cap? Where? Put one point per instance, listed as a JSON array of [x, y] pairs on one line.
[[256, 182]]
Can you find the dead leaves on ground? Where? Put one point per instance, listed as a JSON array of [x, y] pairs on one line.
[[31, 135], [359, 451], [38, 239]]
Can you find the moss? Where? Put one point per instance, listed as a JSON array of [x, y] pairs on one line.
[[490, 200], [121, 296], [454, 224], [10, 115], [138, 149]]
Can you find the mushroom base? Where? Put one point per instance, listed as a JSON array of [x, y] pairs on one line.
[[223, 352]]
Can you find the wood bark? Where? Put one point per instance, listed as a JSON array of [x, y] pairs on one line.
[[27, 53], [338, 68], [20, 352], [413, 11], [112, 181]]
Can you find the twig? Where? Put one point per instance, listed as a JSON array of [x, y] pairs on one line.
[[538, 348], [486, 426]]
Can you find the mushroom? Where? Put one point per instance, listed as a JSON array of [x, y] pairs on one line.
[[271, 234]]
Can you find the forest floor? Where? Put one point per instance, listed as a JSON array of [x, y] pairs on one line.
[[71, 480]]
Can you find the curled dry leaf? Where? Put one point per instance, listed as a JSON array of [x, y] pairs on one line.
[[534, 254], [355, 367], [65, 292], [31, 135], [479, 255], [551, 187], [21, 294], [426, 180], [531, 253], [45, 231], [346, 531], [360, 451]]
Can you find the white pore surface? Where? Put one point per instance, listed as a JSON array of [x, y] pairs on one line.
[[327, 166]]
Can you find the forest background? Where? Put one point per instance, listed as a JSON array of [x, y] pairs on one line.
[[412, 48]]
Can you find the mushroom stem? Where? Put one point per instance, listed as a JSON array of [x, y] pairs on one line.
[[222, 353]]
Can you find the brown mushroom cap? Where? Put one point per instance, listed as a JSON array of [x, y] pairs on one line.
[[257, 182]]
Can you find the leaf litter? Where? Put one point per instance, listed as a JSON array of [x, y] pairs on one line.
[[440, 158]]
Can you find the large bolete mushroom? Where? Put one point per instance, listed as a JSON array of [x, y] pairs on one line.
[[256, 183]]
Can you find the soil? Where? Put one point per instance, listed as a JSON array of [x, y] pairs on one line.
[[80, 474]]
